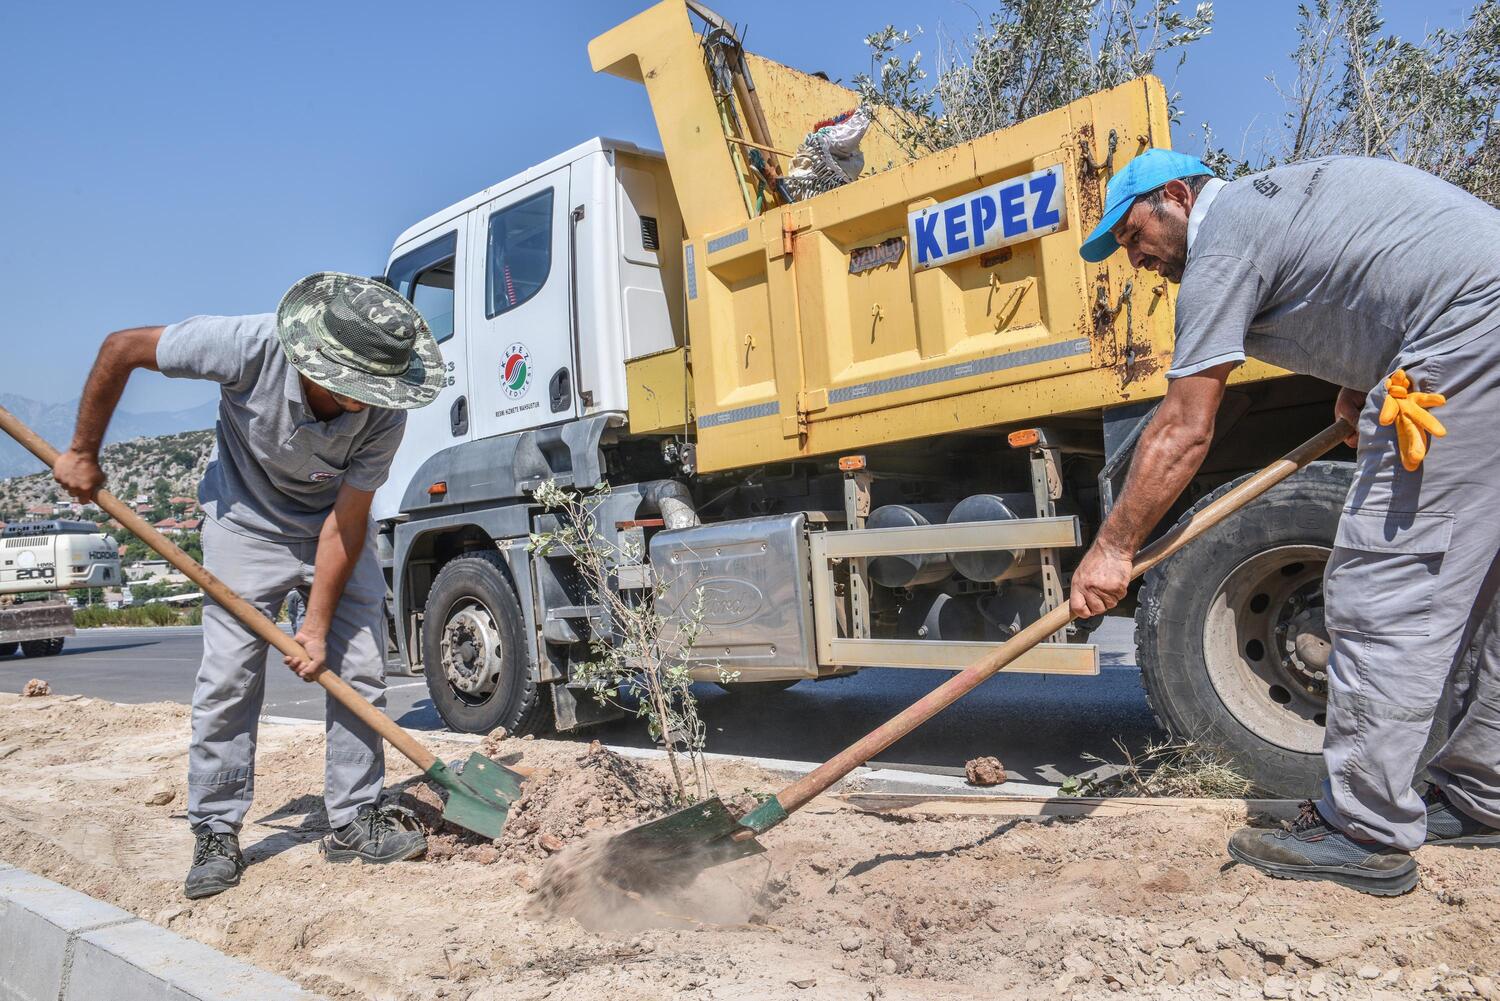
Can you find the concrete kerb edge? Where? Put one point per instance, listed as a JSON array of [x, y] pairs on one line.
[[57, 944], [880, 777]]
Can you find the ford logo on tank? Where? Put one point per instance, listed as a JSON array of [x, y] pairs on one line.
[[1022, 208]]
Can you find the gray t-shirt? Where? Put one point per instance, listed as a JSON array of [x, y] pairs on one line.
[[1343, 268], [276, 469]]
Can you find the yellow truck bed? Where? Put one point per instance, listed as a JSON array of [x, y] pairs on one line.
[[826, 326]]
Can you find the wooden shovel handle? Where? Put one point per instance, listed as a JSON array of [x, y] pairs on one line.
[[252, 617], [940, 698]]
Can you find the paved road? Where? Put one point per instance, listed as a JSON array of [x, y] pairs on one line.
[[1040, 726]]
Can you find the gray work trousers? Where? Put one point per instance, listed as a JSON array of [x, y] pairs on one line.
[[231, 681], [1410, 603]]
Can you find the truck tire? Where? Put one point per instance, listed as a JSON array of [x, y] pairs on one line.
[[42, 648], [1230, 639], [6, 649], [474, 649], [1207, 620]]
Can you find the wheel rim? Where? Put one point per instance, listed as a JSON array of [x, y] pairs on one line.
[[1266, 647], [472, 654]]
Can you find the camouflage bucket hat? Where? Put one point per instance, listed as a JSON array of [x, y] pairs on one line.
[[359, 338]]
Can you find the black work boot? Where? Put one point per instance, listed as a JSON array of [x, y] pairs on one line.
[[1448, 825], [1308, 848], [379, 835], [217, 864]]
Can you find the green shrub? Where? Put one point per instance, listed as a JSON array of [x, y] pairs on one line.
[[140, 615]]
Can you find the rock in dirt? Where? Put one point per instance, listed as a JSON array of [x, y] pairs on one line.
[[35, 687], [161, 797], [984, 771]]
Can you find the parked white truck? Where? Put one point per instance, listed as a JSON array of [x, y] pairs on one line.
[[38, 561], [874, 425]]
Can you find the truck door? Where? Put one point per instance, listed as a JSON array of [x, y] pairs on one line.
[[521, 343], [429, 271]]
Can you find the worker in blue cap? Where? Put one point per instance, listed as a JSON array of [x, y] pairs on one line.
[[1385, 281]]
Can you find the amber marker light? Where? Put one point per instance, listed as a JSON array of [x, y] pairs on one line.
[[851, 463], [1024, 439], [438, 489]]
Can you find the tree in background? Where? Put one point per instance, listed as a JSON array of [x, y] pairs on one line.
[[1429, 103], [1025, 58]]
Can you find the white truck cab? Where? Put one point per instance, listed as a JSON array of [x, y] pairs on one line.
[[539, 289]]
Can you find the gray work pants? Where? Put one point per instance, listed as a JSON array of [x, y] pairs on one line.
[[231, 680], [1410, 601]]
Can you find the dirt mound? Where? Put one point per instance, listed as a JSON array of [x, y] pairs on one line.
[[560, 803]]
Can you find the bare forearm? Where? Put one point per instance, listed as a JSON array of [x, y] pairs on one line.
[[1167, 458], [339, 546], [121, 353]]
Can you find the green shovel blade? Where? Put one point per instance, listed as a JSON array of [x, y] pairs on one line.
[[676, 847], [478, 799]]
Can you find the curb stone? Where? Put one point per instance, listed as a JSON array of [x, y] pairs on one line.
[[57, 944]]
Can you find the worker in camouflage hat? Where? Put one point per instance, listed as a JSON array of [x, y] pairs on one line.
[[312, 406]]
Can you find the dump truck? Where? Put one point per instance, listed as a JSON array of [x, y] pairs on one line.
[[873, 425], [39, 560]]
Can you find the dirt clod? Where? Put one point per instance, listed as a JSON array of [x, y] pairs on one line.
[[35, 687], [161, 797], [984, 771]]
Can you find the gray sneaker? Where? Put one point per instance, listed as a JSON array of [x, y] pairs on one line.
[[1448, 825], [217, 864], [378, 835], [1308, 848]]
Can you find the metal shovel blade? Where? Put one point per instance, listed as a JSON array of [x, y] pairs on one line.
[[681, 843], [479, 797]]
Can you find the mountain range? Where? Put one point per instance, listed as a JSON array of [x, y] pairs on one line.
[[54, 422]]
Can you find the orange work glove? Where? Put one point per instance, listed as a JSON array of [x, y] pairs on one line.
[[1408, 411]]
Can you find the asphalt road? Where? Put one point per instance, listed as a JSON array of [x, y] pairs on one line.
[[1042, 727]]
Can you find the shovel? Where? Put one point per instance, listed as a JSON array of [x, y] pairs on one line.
[[707, 834], [479, 796]]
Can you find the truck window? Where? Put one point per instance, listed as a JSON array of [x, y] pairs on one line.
[[425, 276], [520, 253]]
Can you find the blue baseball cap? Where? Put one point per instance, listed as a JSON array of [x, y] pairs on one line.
[[1143, 174]]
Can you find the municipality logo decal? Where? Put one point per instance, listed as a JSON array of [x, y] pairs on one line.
[[515, 371]]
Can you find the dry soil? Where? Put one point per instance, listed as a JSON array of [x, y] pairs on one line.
[[844, 905]]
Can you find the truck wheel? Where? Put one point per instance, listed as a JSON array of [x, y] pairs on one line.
[[6, 649], [1230, 638], [473, 646], [42, 648]]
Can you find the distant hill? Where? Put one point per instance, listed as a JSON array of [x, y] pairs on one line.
[[54, 422], [133, 468]]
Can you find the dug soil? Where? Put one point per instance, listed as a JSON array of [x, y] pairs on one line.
[[843, 905]]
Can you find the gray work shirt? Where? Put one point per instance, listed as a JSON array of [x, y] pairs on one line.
[[1343, 268], [276, 469]]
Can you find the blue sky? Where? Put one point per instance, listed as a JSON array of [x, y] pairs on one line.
[[167, 159]]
